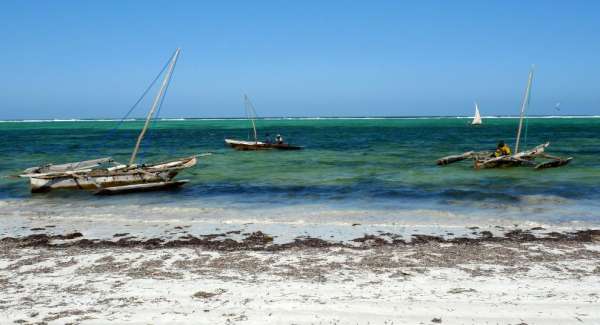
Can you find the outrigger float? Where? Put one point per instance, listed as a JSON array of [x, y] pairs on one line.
[[487, 159], [246, 145], [104, 175]]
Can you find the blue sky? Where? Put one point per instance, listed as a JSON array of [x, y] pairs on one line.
[[84, 59]]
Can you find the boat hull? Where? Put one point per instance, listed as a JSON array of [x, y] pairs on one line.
[[502, 162], [145, 187], [97, 179], [249, 145], [40, 185]]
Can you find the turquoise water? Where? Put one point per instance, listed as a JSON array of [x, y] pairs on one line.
[[384, 168]]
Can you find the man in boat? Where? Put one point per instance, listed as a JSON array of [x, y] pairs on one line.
[[268, 139], [502, 150], [279, 139]]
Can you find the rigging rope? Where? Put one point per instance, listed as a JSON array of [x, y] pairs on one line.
[[251, 114], [110, 134]]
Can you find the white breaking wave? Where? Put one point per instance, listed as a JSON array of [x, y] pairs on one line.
[[308, 118]]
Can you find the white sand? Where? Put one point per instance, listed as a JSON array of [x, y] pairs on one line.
[[539, 284]]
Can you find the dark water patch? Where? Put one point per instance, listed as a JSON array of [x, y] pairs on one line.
[[399, 193], [354, 190], [478, 195], [14, 189]]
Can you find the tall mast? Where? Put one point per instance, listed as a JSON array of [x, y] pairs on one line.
[[157, 101], [251, 115], [523, 106]]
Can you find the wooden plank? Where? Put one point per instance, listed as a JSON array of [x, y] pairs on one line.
[[554, 163], [454, 158]]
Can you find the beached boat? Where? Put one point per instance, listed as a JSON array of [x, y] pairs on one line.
[[107, 176], [488, 159], [477, 119], [246, 145]]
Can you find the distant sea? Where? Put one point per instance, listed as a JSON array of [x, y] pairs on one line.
[[373, 172]]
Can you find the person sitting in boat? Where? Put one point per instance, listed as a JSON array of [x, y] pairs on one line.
[[502, 150], [279, 139], [268, 139]]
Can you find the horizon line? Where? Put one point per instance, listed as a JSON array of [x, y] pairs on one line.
[[100, 119]]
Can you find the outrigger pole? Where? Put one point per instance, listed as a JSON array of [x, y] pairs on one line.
[[157, 101], [523, 106]]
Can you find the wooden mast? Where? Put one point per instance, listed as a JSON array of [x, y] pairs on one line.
[[155, 104], [523, 106], [251, 114]]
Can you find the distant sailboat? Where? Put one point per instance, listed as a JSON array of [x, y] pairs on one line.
[[477, 118], [255, 144]]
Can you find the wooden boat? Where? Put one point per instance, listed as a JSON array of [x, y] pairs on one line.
[[487, 159], [477, 119], [97, 178], [247, 145], [252, 145], [104, 174]]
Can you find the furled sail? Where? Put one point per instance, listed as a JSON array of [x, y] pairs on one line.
[[74, 166]]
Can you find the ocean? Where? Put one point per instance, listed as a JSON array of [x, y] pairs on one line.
[[354, 176]]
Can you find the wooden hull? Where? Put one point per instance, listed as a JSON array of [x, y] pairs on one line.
[[554, 163], [525, 158], [146, 187], [502, 162], [97, 179], [39, 185], [250, 145]]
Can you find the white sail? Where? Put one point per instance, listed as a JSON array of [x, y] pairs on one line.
[[477, 118]]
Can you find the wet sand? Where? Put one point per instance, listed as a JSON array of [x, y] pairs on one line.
[[521, 276]]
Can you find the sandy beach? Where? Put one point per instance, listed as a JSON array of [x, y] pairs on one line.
[[300, 162], [516, 278]]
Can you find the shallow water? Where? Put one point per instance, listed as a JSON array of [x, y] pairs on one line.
[[375, 172]]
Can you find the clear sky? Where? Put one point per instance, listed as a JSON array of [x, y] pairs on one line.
[[87, 59]]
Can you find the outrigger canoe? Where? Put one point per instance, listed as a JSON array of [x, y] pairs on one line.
[[257, 145], [486, 159], [248, 145]]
